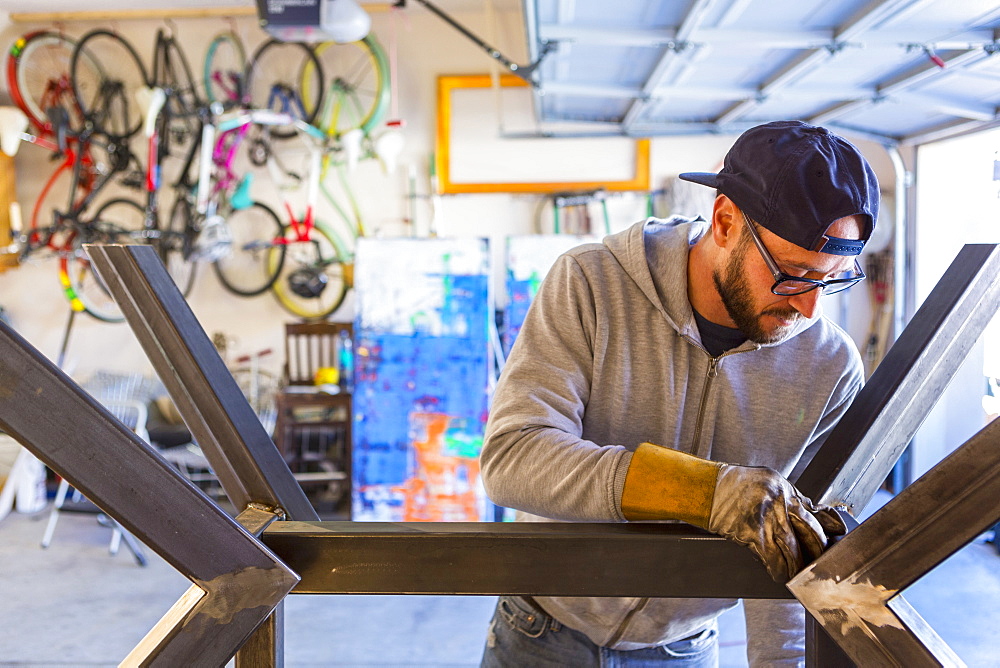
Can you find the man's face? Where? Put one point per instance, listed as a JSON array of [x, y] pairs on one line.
[[749, 302], [744, 283]]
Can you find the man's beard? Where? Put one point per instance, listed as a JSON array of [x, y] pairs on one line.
[[737, 297]]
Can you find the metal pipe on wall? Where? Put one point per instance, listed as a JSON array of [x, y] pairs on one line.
[[902, 280]]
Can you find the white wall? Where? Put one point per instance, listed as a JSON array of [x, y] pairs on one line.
[[958, 203], [425, 47]]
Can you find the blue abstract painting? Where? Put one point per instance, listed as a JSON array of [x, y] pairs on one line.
[[421, 380], [529, 259]]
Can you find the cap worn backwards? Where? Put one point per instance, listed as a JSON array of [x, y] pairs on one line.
[[796, 180]]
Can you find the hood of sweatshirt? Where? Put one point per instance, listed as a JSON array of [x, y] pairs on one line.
[[654, 253]]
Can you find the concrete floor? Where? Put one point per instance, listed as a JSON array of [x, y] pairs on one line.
[[75, 605]]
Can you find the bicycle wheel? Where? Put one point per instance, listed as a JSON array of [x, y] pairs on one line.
[[246, 270], [356, 85], [225, 64], [172, 73], [108, 100], [312, 281], [274, 81], [176, 243], [38, 66], [117, 221], [46, 227]]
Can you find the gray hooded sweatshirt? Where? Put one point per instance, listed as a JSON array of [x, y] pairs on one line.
[[609, 357]]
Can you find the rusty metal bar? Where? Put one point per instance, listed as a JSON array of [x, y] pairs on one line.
[[248, 465], [517, 558], [853, 589], [862, 449], [51, 416], [266, 647]]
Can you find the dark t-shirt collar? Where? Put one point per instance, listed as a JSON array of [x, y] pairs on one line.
[[717, 339]]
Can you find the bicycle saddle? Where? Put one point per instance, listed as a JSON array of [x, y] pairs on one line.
[[13, 122]]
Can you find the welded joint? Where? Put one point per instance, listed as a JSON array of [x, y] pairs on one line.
[[852, 604], [257, 516]]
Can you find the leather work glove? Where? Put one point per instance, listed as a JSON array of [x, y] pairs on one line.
[[753, 506], [757, 507]]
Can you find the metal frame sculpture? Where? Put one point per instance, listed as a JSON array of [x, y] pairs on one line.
[[853, 588], [862, 449], [237, 581], [240, 579]]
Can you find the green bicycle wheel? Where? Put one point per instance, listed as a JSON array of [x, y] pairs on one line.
[[312, 280], [355, 86], [225, 64], [248, 269]]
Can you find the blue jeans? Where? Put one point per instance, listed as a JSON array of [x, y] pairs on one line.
[[521, 636]]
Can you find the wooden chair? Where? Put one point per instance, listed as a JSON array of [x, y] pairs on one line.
[[313, 428]]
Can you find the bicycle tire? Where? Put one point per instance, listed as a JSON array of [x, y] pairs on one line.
[[109, 102], [38, 66], [246, 271], [176, 243], [274, 81], [356, 86], [172, 72], [82, 285], [302, 260], [225, 64], [53, 198]]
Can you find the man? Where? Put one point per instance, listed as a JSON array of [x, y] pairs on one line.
[[683, 371]]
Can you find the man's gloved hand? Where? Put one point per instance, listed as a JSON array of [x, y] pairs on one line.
[[753, 506], [757, 507]]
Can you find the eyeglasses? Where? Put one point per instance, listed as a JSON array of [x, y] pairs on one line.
[[793, 285]]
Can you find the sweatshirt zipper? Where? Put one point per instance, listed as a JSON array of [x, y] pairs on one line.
[[625, 622], [713, 372]]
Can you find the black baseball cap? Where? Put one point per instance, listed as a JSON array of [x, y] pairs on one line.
[[796, 179]]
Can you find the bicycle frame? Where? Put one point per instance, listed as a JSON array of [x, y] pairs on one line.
[[220, 140], [316, 141], [81, 163], [301, 228], [233, 88]]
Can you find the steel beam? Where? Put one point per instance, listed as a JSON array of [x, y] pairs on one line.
[[861, 450], [853, 588], [242, 455], [237, 581], [545, 559]]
